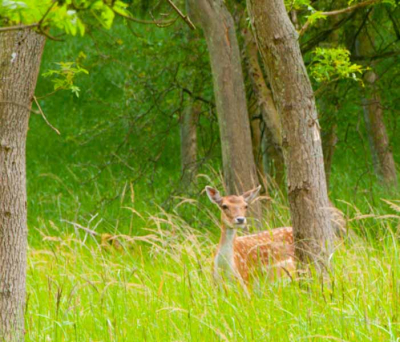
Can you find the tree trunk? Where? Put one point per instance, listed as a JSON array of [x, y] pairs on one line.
[[256, 139], [237, 155], [308, 199], [382, 156], [189, 121], [329, 145], [270, 115], [20, 55], [378, 138]]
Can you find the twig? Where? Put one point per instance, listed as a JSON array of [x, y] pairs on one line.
[[44, 117], [152, 22], [337, 12], [184, 17], [46, 34], [46, 13], [324, 85], [202, 99]]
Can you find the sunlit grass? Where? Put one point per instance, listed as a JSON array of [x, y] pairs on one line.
[[158, 287]]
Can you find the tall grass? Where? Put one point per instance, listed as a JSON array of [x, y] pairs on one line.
[[157, 286]]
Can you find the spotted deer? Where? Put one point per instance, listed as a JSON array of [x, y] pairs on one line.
[[242, 257]]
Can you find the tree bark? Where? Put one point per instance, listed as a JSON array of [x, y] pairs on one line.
[[309, 206], [237, 155], [269, 112], [329, 145], [20, 56], [382, 155], [189, 121], [256, 139]]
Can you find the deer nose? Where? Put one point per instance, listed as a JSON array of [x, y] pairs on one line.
[[240, 220]]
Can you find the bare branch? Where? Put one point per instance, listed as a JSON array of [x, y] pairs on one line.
[[151, 22], [184, 17], [18, 27], [44, 117], [47, 12], [339, 11]]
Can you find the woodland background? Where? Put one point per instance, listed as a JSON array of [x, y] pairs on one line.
[[121, 233]]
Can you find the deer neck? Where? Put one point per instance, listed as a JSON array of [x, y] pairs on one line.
[[224, 259], [227, 240]]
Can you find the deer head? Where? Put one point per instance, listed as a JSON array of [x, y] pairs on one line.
[[233, 208]]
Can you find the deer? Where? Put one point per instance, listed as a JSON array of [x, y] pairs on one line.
[[240, 257]]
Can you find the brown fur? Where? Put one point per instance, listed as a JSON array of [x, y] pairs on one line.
[[268, 251]]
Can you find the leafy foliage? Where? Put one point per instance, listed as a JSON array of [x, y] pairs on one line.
[[118, 150], [334, 63], [68, 15], [63, 77]]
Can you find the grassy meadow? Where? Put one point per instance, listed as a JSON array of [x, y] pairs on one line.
[[149, 278]]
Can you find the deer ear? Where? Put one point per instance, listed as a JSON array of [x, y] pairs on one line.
[[213, 195], [250, 195]]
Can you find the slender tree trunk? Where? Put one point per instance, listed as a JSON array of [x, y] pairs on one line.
[[329, 145], [237, 155], [378, 138], [270, 115], [256, 139], [309, 206], [20, 55], [189, 121], [381, 152]]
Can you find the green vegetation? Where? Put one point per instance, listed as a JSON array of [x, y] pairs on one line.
[[121, 250], [155, 284], [159, 288]]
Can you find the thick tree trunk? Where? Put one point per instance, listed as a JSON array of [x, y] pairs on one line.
[[20, 55], [308, 199], [237, 155], [270, 115], [189, 121]]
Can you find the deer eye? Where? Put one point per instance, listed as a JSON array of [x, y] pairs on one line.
[[224, 206], [246, 206]]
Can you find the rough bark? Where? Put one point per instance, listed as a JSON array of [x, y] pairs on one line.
[[20, 55], [188, 127], [269, 112], [237, 156], [309, 206]]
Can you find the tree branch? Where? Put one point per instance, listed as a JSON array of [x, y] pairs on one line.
[[18, 27], [151, 22], [184, 17], [44, 117], [339, 11]]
